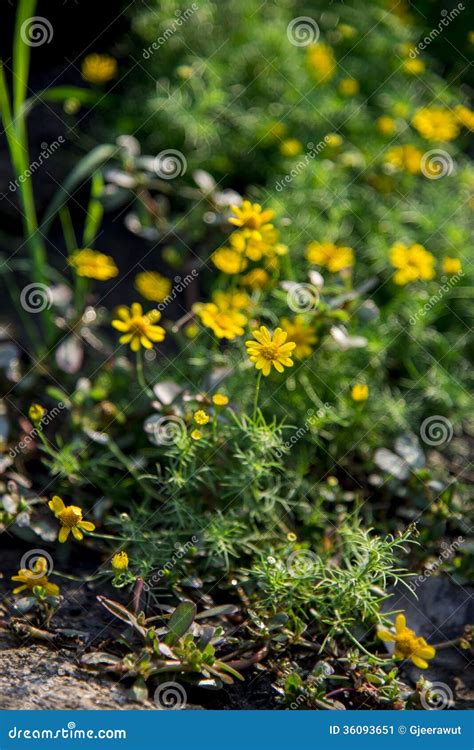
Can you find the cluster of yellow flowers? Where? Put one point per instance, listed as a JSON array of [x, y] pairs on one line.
[[202, 418], [413, 262], [405, 159], [255, 240], [224, 314], [302, 334], [333, 257], [70, 519], [436, 124], [442, 124]]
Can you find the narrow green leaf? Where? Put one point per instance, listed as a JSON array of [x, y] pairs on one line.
[[82, 171]]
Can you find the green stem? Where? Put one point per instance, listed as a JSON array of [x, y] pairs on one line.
[[81, 287], [257, 392], [141, 376], [364, 650]]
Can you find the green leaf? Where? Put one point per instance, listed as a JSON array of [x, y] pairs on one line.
[[180, 622], [223, 609], [122, 613], [81, 172], [95, 211], [61, 94]]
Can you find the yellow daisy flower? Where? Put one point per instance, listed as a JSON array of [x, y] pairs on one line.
[[120, 561], [333, 257], [257, 244], [99, 68], [320, 59], [413, 66], [196, 434], [250, 215], [334, 140], [36, 577], [93, 265], [291, 147], [302, 334], [36, 413], [270, 350], [465, 116], [200, 417], [360, 392], [70, 518], [407, 644], [138, 329], [257, 278], [219, 399], [451, 265], [347, 31], [349, 87], [386, 125], [225, 324], [152, 286], [237, 300], [229, 261], [436, 124], [191, 331], [413, 262]]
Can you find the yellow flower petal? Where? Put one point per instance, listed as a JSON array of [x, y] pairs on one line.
[[63, 534], [77, 533]]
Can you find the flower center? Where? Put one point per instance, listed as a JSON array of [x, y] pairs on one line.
[[70, 516], [269, 351], [138, 325], [407, 645], [223, 320]]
